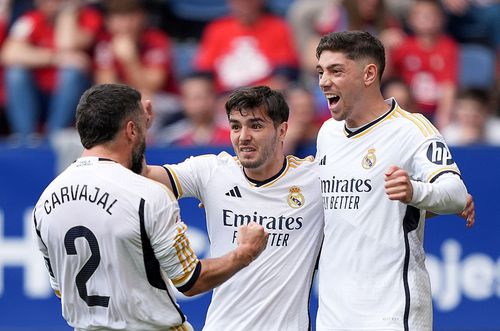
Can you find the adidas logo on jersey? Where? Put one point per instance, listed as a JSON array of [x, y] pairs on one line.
[[234, 192], [323, 161]]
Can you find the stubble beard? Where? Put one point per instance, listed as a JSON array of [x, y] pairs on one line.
[[138, 157], [267, 153]]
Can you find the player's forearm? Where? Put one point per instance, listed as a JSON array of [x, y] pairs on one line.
[[447, 195], [216, 271], [68, 34], [16, 53]]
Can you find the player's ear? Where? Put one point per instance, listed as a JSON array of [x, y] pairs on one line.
[[282, 129], [131, 130], [370, 74]]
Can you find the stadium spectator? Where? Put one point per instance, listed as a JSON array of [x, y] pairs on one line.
[[199, 103], [473, 121], [303, 125], [116, 248], [133, 53], [428, 62], [398, 89], [248, 47], [47, 59], [473, 21]]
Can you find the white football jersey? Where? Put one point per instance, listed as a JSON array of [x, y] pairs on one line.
[[372, 274], [114, 244], [272, 293]]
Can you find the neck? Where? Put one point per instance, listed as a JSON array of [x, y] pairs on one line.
[[266, 171], [428, 40], [368, 110], [106, 152]]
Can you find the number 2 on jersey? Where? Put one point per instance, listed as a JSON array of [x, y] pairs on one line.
[[89, 268]]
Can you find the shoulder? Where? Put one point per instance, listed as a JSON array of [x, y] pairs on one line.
[[208, 161], [220, 24], [447, 41], [331, 125], [412, 125], [154, 36], [147, 188], [90, 12], [301, 164], [26, 24], [276, 21]]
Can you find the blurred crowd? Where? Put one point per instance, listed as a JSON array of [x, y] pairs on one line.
[[443, 60]]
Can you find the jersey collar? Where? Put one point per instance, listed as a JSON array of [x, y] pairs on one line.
[[351, 133], [258, 183]]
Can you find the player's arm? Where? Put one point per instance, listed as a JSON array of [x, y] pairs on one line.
[[468, 214], [252, 240], [157, 173], [446, 195], [43, 249], [192, 276]]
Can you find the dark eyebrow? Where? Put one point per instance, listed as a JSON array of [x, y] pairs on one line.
[[256, 119], [335, 66]]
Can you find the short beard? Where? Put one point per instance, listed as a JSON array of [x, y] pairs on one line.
[[138, 157], [267, 153]]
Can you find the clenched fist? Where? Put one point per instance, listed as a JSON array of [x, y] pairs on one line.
[[252, 240]]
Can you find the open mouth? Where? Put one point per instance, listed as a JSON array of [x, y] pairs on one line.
[[247, 150], [333, 99]]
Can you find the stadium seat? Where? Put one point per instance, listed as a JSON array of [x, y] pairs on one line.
[[199, 10], [477, 66]]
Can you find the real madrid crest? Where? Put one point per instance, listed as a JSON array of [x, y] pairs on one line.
[[295, 198], [369, 159]]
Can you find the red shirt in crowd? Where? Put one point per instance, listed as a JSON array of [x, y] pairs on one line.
[[242, 55], [38, 30], [220, 137], [425, 70], [154, 51]]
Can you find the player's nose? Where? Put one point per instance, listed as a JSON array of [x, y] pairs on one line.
[[324, 81], [245, 134]]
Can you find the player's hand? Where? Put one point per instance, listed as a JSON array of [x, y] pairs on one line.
[[124, 48], [252, 240], [398, 185], [469, 212], [150, 114]]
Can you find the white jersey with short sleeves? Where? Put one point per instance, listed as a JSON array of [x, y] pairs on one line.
[[114, 244], [372, 274], [272, 293]]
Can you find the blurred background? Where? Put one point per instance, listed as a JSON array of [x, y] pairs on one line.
[[443, 60]]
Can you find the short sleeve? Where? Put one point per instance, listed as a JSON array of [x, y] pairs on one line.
[[23, 28], [91, 20], [188, 178], [171, 245], [45, 253]]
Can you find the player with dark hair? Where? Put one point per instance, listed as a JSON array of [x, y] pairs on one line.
[[381, 169], [264, 186], [112, 240]]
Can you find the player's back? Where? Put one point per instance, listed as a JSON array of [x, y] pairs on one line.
[[96, 221]]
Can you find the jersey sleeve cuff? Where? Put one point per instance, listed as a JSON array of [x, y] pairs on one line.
[[194, 277], [174, 182]]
